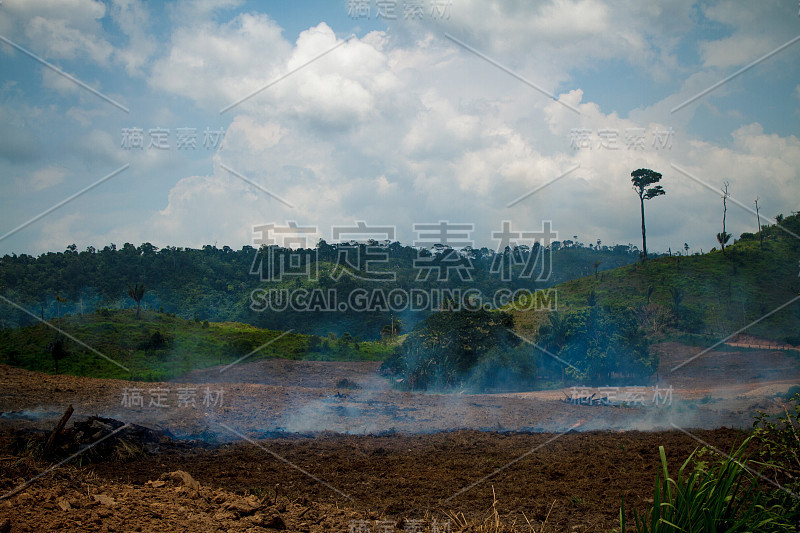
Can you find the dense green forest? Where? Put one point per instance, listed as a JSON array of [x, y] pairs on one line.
[[216, 284]]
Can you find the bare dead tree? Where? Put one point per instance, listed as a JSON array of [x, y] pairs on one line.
[[724, 237], [758, 221]]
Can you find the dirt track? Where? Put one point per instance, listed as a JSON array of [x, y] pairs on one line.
[[394, 454]]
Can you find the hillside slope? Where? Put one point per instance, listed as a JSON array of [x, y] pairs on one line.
[[713, 294], [161, 346]]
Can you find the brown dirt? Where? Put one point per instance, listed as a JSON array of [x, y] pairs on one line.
[[583, 476], [387, 455]]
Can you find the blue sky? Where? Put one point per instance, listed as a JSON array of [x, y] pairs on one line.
[[399, 124]]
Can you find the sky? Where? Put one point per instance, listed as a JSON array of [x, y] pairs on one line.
[[189, 123]]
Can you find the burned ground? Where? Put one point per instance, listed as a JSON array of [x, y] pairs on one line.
[[370, 456]]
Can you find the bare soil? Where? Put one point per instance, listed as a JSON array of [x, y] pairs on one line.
[[283, 447]]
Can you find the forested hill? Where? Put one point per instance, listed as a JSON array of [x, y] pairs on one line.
[[752, 286], [215, 284]]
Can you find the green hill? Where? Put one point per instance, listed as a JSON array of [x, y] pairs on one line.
[[696, 299], [161, 346], [711, 295]]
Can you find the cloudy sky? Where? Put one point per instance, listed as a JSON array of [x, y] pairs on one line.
[[395, 114]]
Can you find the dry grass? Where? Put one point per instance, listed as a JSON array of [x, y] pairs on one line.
[[492, 521]]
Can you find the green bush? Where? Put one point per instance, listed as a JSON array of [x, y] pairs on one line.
[[691, 318], [779, 455], [155, 341], [441, 351], [794, 340], [721, 497], [505, 369], [599, 344]]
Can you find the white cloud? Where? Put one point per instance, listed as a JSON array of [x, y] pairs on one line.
[[199, 10], [20, 140], [46, 177], [258, 136], [59, 40], [440, 130], [404, 126], [734, 51], [748, 40], [133, 19], [73, 30], [548, 40], [217, 64], [401, 133], [63, 230], [68, 29]]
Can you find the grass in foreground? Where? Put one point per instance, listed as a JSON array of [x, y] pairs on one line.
[[723, 497], [730, 495]]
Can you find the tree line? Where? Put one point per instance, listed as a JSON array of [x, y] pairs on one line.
[[214, 283]]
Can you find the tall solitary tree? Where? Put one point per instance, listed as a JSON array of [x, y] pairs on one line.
[[57, 350], [596, 265], [59, 300], [137, 293], [642, 180], [724, 237], [760, 233]]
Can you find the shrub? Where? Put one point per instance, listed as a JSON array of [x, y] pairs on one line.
[[599, 343], [442, 350], [691, 319], [505, 369], [345, 383], [779, 455], [721, 497], [156, 341], [794, 340]]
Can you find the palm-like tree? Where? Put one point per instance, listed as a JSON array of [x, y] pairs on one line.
[[553, 336], [677, 299], [59, 300], [642, 179], [57, 350], [722, 239], [137, 293]]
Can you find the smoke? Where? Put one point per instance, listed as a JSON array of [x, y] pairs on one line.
[[275, 397], [346, 414], [35, 415], [271, 411]]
